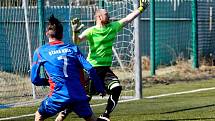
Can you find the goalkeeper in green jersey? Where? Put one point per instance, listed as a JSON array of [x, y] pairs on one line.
[[100, 39]]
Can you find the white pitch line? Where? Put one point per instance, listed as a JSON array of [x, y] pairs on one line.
[[179, 93], [15, 117], [122, 101]]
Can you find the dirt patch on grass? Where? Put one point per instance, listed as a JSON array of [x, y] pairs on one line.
[[182, 71]]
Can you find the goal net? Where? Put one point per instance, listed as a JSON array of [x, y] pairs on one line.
[[15, 86], [123, 50]]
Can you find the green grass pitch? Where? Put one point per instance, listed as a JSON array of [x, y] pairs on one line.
[[198, 106]]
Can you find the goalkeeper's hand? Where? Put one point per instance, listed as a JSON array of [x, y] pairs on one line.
[[143, 6], [76, 25]]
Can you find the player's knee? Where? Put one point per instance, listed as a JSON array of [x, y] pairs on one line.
[[114, 83], [116, 90]]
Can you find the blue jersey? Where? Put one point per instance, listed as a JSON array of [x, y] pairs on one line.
[[62, 63]]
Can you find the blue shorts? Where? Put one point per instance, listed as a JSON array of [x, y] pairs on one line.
[[50, 108]]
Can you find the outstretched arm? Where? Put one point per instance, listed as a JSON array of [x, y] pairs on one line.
[[130, 17], [76, 27]]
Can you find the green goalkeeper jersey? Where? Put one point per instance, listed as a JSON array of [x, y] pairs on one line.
[[100, 40]]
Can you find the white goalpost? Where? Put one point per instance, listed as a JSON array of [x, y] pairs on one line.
[[25, 6]]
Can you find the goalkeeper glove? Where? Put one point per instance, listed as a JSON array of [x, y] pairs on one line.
[[143, 6], [76, 25]]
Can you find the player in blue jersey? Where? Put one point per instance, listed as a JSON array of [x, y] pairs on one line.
[[62, 64]]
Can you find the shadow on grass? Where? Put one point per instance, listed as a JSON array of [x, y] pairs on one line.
[[175, 111], [187, 109], [185, 119]]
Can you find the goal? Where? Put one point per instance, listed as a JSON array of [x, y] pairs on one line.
[[19, 38]]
